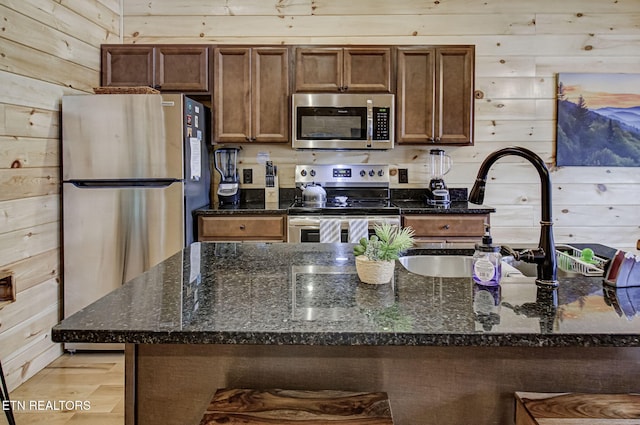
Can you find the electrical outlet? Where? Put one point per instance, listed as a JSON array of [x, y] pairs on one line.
[[247, 175], [7, 287], [403, 175]]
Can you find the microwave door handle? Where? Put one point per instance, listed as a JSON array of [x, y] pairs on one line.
[[369, 122]]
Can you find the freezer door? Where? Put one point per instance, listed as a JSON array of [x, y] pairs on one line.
[[117, 136], [112, 235], [187, 120]]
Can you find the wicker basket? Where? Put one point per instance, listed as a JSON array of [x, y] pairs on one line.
[[374, 272], [125, 90]]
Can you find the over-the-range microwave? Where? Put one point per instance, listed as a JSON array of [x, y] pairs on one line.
[[342, 121]]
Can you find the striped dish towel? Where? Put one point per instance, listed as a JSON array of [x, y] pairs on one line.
[[358, 229], [330, 230]]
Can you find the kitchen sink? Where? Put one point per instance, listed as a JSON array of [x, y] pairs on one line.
[[461, 266], [438, 265], [438, 262], [511, 267]]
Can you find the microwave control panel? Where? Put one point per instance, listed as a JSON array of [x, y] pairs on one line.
[[381, 123]]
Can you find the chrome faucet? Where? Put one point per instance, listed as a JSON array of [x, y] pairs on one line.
[[545, 255]]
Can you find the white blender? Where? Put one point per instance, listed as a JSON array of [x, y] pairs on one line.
[[439, 165], [229, 186]]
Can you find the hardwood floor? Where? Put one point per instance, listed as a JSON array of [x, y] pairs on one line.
[[83, 388]]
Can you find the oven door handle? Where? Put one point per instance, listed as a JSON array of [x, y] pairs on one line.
[[314, 221], [304, 221], [369, 122], [344, 221]]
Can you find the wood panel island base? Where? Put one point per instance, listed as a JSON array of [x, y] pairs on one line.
[[172, 384], [296, 317]]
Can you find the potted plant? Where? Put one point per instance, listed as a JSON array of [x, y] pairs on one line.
[[375, 257]]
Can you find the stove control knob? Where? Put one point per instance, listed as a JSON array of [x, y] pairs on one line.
[[362, 173], [312, 173], [303, 173], [380, 173], [372, 173]]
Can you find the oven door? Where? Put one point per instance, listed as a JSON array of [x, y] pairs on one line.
[[306, 229]]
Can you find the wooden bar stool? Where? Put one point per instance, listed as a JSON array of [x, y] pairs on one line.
[[577, 408], [4, 399], [262, 407]]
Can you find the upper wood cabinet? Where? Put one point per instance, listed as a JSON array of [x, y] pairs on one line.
[[124, 65], [349, 69], [183, 68], [435, 95], [250, 96]]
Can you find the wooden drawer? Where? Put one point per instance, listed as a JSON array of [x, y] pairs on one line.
[[242, 228], [447, 226]]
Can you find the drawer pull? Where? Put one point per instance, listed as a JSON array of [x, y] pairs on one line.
[[446, 227], [242, 227]]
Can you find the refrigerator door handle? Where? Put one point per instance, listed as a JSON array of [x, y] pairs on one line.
[[98, 184]]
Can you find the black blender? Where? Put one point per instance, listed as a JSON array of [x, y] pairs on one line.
[[229, 186], [439, 165]]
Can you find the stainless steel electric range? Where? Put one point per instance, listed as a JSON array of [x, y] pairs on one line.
[[358, 192]]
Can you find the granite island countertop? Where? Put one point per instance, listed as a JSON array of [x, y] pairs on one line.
[[309, 294]]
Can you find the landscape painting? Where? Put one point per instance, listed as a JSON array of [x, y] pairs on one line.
[[598, 120]]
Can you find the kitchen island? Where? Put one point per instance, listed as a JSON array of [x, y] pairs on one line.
[[296, 316]]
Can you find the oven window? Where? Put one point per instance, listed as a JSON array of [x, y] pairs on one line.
[[331, 123], [313, 235]]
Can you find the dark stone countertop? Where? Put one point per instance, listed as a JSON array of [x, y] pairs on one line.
[[407, 206], [412, 206], [309, 294], [245, 208]]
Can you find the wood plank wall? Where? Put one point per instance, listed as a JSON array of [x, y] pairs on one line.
[[48, 48], [521, 45]]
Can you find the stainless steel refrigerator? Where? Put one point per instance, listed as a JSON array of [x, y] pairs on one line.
[[134, 167]]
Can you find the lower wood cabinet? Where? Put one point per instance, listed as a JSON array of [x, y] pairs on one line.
[[447, 228], [258, 228]]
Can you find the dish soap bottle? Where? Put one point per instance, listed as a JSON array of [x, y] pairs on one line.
[[487, 261]]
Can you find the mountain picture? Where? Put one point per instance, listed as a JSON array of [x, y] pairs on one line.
[[598, 120]]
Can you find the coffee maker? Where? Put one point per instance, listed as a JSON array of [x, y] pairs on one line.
[[226, 160], [439, 165]]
